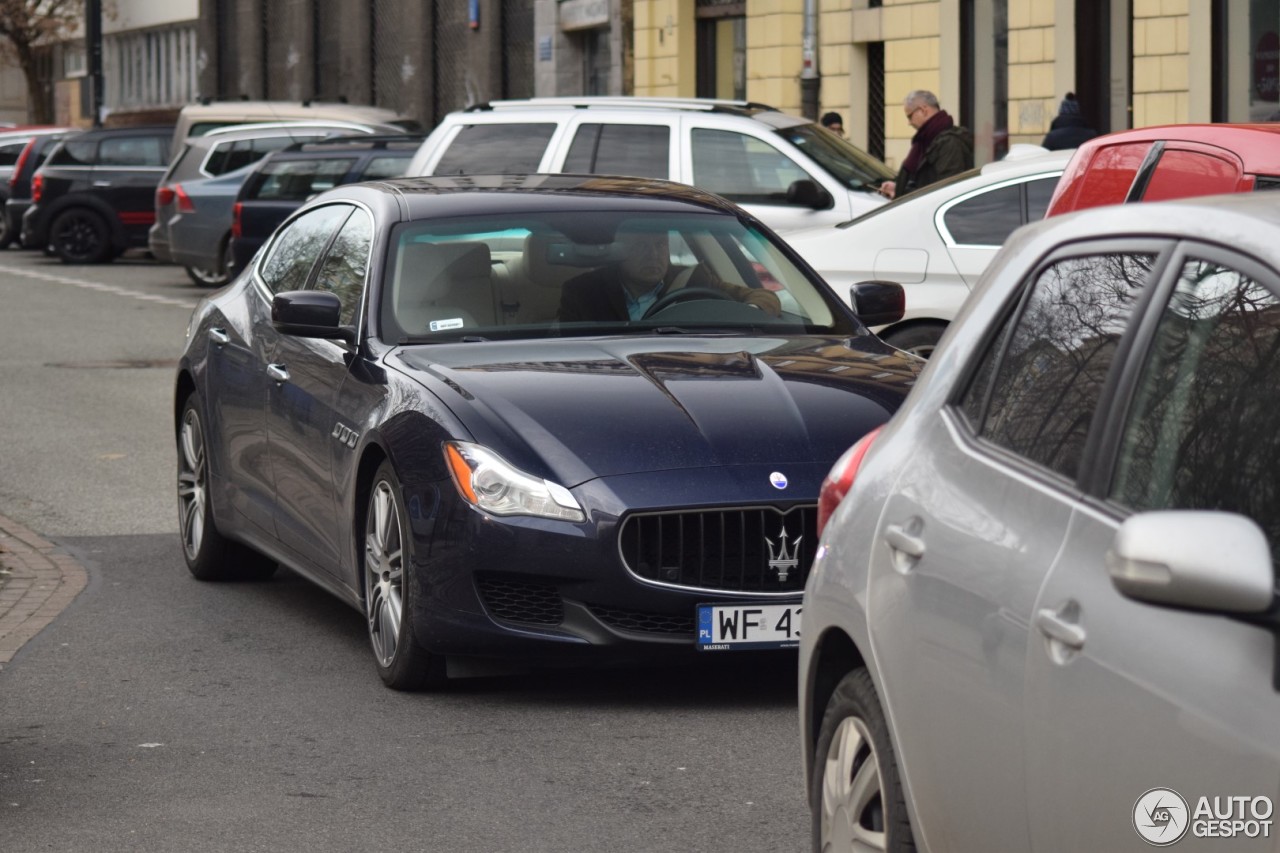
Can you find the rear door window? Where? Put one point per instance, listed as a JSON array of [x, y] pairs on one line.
[[986, 219], [637, 150], [75, 153], [742, 168], [496, 149], [133, 151], [297, 180]]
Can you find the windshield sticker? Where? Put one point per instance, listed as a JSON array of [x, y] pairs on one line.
[[446, 325]]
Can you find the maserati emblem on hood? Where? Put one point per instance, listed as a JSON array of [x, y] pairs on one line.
[[778, 479], [780, 558]]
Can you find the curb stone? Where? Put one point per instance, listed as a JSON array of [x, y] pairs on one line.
[[37, 582]]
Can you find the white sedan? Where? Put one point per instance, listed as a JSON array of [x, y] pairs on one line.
[[937, 241]]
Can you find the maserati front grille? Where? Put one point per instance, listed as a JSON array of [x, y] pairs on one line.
[[754, 549]]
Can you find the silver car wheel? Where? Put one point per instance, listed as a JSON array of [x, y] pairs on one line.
[[852, 808], [383, 572], [191, 484]]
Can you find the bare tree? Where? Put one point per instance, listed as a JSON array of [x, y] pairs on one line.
[[28, 25]]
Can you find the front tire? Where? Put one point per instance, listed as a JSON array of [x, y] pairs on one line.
[[210, 555], [390, 589], [80, 236], [858, 804], [920, 339]]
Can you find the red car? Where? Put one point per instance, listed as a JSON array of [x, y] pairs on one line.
[[1174, 161]]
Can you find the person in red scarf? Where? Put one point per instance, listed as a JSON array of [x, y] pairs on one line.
[[939, 149]]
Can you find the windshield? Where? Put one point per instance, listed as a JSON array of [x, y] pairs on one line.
[[847, 163], [561, 273]]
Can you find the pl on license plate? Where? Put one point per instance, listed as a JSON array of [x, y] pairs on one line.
[[730, 627]]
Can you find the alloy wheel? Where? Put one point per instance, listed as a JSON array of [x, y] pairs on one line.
[[78, 238], [191, 484], [384, 572], [852, 808]]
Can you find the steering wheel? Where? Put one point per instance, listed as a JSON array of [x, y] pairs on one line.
[[685, 294]]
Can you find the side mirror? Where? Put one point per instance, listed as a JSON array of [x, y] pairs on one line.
[[310, 314], [878, 303], [1197, 559], [806, 193]]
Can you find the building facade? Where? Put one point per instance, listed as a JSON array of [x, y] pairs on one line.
[[1001, 67]]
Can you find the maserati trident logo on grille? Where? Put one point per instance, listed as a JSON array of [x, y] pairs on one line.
[[780, 558], [345, 435]]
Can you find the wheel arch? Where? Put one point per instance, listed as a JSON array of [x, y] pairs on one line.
[[115, 227], [183, 386], [371, 458], [835, 655]]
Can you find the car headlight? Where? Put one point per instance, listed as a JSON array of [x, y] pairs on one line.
[[488, 482]]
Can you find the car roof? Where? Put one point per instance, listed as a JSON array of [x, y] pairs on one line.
[[471, 195], [405, 144], [140, 130], [253, 130], [1258, 145]]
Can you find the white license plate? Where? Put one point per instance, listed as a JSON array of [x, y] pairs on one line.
[[726, 627]]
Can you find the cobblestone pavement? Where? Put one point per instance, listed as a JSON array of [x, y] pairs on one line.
[[36, 582]]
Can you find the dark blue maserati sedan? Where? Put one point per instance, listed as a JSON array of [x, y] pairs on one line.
[[551, 417]]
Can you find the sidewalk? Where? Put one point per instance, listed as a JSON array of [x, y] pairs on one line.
[[36, 583]]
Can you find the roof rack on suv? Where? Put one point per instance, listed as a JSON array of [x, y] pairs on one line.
[[362, 142], [616, 101]]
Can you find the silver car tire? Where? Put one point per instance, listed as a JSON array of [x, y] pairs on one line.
[[858, 804], [390, 589], [210, 556]]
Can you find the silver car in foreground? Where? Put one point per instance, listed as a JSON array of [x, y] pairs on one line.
[[1042, 615]]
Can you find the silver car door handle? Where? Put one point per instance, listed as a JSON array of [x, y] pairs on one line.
[[102, 183], [219, 336], [278, 372], [902, 541], [1055, 627]]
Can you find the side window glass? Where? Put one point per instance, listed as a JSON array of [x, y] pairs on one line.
[[1201, 433], [621, 149], [987, 219], [385, 167], [496, 149], [742, 168], [216, 163], [1039, 192], [129, 151], [9, 153], [1046, 388], [291, 256], [74, 153], [343, 269]]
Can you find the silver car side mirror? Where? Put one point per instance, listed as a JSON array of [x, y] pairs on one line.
[[1198, 559]]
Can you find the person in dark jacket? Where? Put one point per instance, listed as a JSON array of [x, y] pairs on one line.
[[940, 148], [1069, 129]]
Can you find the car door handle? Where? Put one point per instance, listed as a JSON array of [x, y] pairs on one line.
[[1060, 629], [219, 336], [901, 541], [102, 183], [278, 372]]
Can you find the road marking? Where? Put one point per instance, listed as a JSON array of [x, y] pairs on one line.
[[100, 287]]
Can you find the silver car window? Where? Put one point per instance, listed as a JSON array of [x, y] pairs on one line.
[[1201, 433]]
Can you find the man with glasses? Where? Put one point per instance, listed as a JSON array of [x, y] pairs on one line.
[[939, 149]]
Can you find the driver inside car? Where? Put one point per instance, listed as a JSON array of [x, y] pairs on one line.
[[629, 288]]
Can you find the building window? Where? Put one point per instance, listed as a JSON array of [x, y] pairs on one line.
[[596, 61], [150, 68]]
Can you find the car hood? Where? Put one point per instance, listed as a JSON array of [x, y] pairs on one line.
[[576, 409]]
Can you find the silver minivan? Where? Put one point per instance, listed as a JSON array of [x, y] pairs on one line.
[[1043, 611], [789, 172]]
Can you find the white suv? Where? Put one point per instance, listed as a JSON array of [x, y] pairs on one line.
[[789, 172]]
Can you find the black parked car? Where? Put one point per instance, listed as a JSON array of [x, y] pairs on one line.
[[19, 198], [95, 195], [287, 178], [433, 398]]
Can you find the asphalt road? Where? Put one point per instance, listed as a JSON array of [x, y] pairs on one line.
[[161, 714]]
